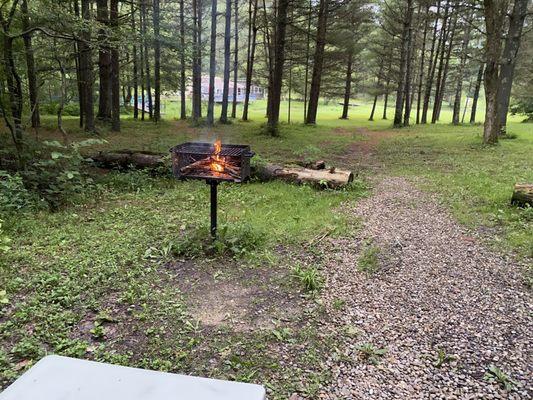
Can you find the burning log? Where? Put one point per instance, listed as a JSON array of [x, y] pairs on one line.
[[522, 194], [325, 178]]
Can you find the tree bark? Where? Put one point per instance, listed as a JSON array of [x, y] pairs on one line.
[[522, 195], [147, 59], [442, 88], [495, 12], [432, 63], [318, 62], [104, 62], [86, 67], [476, 93], [422, 60], [212, 65], [332, 178], [279, 61], [307, 54], [135, 65], [400, 91], [227, 54], [235, 61], [440, 59], [79, 78], [115, 67], [510, 53], [408, 67], [183, 109], [33, 88], [196, 62], [348, 88], [460, 75], [157, 61], [251, 57]]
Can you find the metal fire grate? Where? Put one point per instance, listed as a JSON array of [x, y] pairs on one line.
[[197, 160], [235, 155]]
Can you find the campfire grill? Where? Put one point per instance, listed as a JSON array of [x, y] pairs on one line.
[[214, 163]]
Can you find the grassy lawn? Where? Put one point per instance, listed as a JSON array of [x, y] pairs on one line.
[[125, 276]]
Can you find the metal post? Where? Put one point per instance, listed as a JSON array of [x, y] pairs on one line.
[[214, 185]]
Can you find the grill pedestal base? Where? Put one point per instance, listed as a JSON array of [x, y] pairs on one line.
[[214, 189]]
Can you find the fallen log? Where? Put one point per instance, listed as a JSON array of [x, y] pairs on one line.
[[522, 194], [333, 178], [124, 159]]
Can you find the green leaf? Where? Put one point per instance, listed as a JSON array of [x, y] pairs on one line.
[[55, 155]]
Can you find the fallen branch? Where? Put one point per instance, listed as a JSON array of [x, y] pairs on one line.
[[333, 178]]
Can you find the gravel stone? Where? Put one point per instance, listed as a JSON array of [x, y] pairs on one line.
[[438, 287]]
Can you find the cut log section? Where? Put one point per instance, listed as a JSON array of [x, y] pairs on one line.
[[333, 178], [124, 159], [522, 194]]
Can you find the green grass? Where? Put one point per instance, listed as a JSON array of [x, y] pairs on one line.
[[475, 181]]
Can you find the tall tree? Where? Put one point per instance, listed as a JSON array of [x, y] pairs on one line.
[[422, 60], [510, 53], [278, 61], [404, 50], [460, 72], [432, 62], [33, 87], [135, 65], [318, 62], [227, 54], [197, 61], [235, 60], [252, 40], [104, 61], [157, 60], [183, 110], [148, 82], [212, 65], [86, 67], [495, 12], [115, 67]]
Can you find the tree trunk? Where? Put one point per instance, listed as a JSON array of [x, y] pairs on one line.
[[183, 109], [400, 91], [86, 67], [251, 57], [495, 11], [522, 195], [104, 62], [142, 64], [212, 65], [442, 89], [510, 52], [115, 67], [432, 63], [307, 54], [323, 178], [460, 75], [318, 61], [14, 87], [196, 63], [279, 61], [227, 54], [235, 61], [386, 99], [421, 71], [439, 59], [33, 88], [348, 87], [476, 93], [79, 78], [408, 67], [135, 67], [157, 62], [146, 59]]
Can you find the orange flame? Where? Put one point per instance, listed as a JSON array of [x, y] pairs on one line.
[[217, 163]]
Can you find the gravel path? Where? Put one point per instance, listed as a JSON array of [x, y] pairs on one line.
[[438, 288]]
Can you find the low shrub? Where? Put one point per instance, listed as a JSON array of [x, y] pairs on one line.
[[71, 109], [14, 195], [309, 278], [56, 172]]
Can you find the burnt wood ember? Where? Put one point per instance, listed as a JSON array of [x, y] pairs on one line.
[[214, 163]]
